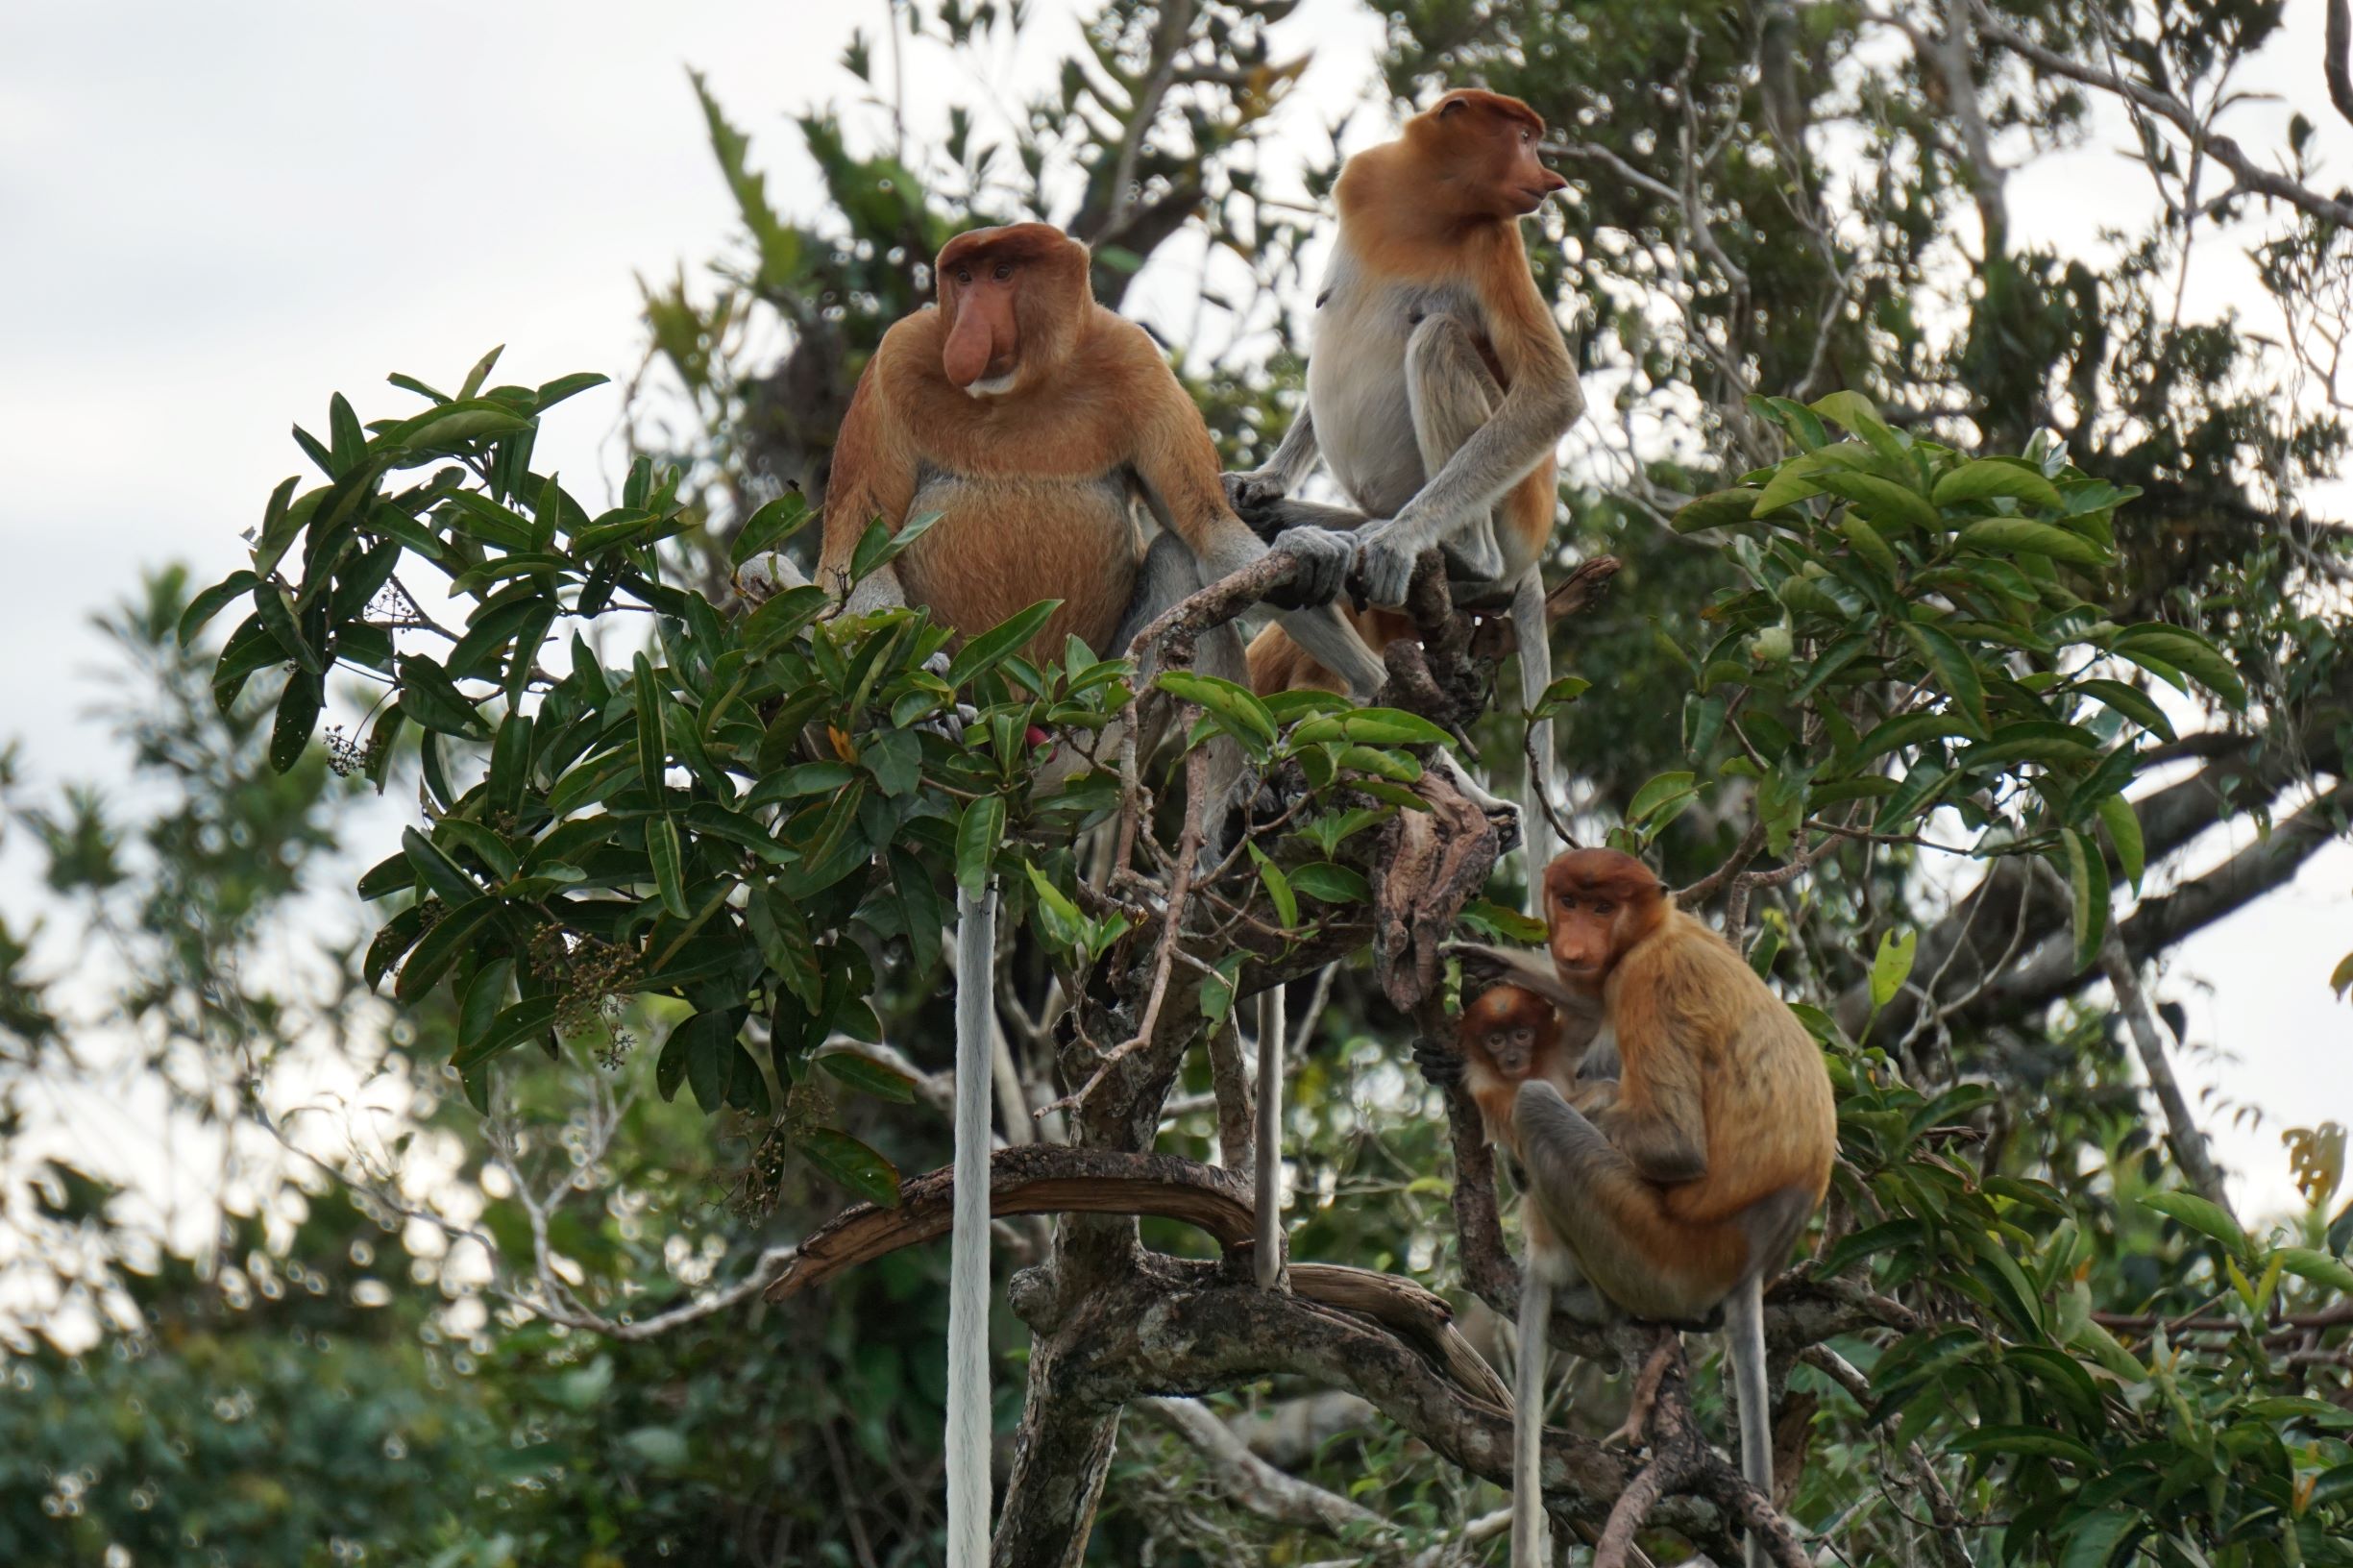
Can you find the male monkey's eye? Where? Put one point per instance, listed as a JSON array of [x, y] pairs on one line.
[[1004, 270]]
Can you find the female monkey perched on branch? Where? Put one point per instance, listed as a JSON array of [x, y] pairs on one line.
[[1437, 392], [1438, 388], [1681, 1188], [1037, 424]]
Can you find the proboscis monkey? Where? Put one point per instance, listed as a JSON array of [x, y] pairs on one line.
[[1051, 438], [1685, 1185], [1437, 392], [1510, 1036]]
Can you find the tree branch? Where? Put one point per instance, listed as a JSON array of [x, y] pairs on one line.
[[2251, 176]]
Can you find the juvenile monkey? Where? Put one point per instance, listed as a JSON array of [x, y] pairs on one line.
[[1438, 390], [1040, 426], [1691, 1183], [1510, 1036]]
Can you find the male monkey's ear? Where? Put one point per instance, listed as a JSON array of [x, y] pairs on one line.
[[1452, 106]]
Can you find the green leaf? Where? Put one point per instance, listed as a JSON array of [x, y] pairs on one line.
[[646, 698], [1908, 729], [669, 858], [2183, 649], [852, 1163], [2033, 1442], [2206, 1218], [702, 1048], [866, 1075], [298, 714], [1867, 543], [446, 879], [993, 647], [1718, 509], [2130, 702], [1507, 923], [1986, 477], [1673, 788], [1856, 412], [433, 701], [878, 547], [1331, 883], [1892, 966], [2023, 536], [1374, 726], [2086, 876], [1278, 888], [1792, 482], [1941, 655], [449, 426], [896, 759], [978, 833], [441, 947], [2123, 825], [1240, 710], [770, 527], [512, 1027], [1883, 500], [211, 602], [2317, 1266]]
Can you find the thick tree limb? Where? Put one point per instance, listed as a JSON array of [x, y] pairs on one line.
[[2244, 775], [2164, 919], [1045, 1179]]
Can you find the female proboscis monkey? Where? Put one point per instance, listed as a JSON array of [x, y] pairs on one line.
[[1041, 427], [1437, 392], [1683, 1188]]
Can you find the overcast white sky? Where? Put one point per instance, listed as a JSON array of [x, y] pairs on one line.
[[213, 216]]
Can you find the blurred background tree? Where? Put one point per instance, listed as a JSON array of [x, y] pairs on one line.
[[533, 1335]]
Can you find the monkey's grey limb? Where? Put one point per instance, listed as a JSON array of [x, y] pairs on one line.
[[1270, 1137], [1744, 1333], [1453, 395], [1529, 1526], [967, 1268]]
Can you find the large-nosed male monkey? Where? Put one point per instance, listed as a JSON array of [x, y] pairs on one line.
[[1682, 1188], [1438, 390], [1045, 431]]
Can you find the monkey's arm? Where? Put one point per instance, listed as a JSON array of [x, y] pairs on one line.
[[1294, 460], [1531, 968], [874, 477], [1542, 401]]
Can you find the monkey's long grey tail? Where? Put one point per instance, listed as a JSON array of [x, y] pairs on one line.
[[967, 1268], [1534, 634], [1743, 1331], [1529, 1548], [1271, 1027]]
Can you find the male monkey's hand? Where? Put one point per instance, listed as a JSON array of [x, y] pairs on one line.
[[1324, 557]]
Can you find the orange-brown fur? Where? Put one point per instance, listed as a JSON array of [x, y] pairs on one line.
[[1722, 1098], [1029, 515], [1492, 1077], [1424, 211]]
